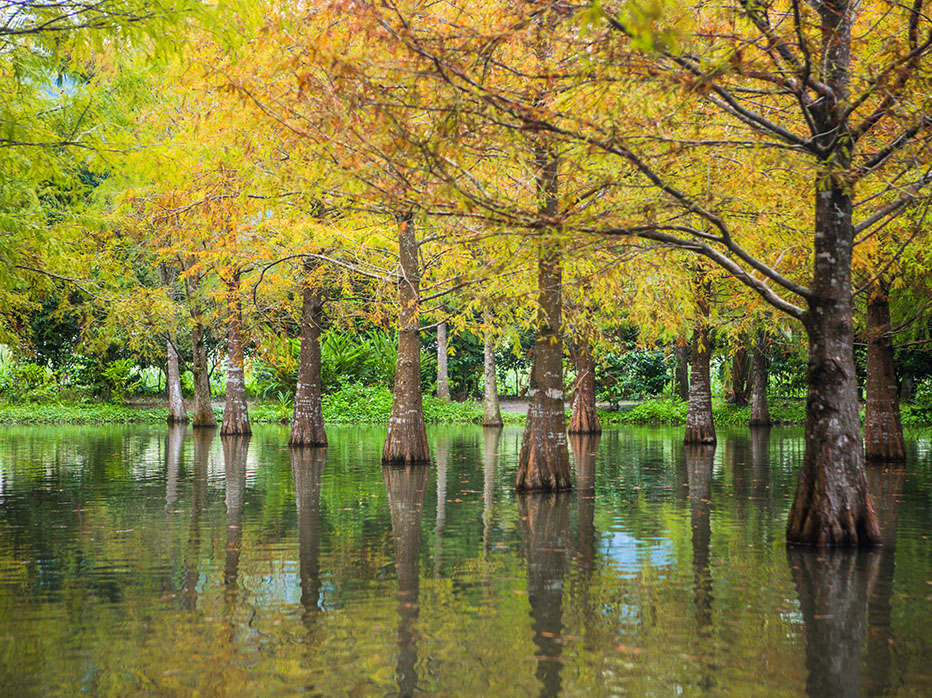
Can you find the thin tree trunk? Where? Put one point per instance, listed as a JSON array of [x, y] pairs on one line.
[[681, 349], [203, 413], [307, 425], [740, 385], [700, 429], [406, 441], [760, 410], [443, 375], [406, 486], [544, 461], [883, 430], [177, 414], [584, 418], [832, 505], [235, 411], [492, 414]]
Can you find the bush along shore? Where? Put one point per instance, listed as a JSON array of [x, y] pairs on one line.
[[358, 404]]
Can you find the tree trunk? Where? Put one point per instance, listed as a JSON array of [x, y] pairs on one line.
[[584, 418], [492, 414], [740, 385], [177, 414], [544, 461], [307, 465], [203, 415], [681, 351], [883, 430], [235, 411], [307, 425], [443, 374], [406, 486], [545, 520], [760, 410], [700, 429], [406, 441]]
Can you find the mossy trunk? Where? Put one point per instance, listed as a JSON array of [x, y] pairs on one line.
[[883, 429], [406, 441], [307, 424], [584, 419], [235, 410]]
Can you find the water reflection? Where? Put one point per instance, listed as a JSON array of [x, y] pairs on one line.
[[491, 437], [202, 441], [235, 449], [545, 520], [406, 486], [699, 462], [584, 448], [174, 440], [307, 466], [442, 459]]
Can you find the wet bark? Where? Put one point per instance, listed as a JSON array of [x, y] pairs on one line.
[[307, 465], [833, 588], [740, 384], [544, 460], [883, 429], [584, 418], [681, 350], [307, 424], [545, 519], [235, 448], [443, 373], [492, 414], [406, 441], [760, 409], [406, 486], [235, 411], [699, 461], [832, 505], [700, 428]]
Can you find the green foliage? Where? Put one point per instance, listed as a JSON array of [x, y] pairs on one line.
[[28, 382], [80, 414], [359, 404], [919, 412], [632, 375], [664, 411], [119, 378]]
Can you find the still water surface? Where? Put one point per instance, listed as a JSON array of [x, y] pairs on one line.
[[138, 561]]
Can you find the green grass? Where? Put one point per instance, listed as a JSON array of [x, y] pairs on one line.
[[670, 411]]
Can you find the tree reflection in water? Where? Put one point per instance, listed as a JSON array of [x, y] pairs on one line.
[[699, 461], [406, 486], [545, 528], [492, 437], [235, 449], [307, 466], [174, 441], [202, 441]]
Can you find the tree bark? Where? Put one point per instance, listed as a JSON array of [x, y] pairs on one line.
[[492, 414], [406, 441], [832, 504], [177, 414], [700, 428], [443, 374], [406, 486], [681, 349], [203, 414], [883, 430], [545, 520], [760, 410], [235, 411], [740, 385], [307, 424], [584, 418], [544, 460]]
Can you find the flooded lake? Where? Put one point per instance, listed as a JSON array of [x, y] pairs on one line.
[[143, 561]]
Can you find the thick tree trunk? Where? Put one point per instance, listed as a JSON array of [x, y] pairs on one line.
[[235, 449], [740, 385], [584, 418], [681, 349], [492, 414], [545, 520], [832, 505], [406, 441], [443, 374], [177, 414], [203, 414], [760, 410], [307, 425], [235, 411], [307, 465], [544, 461], [883, 430], [406, 486], [700, 429]]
